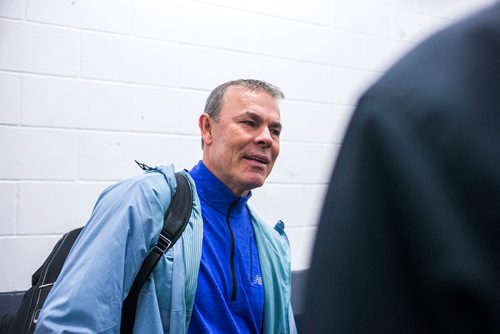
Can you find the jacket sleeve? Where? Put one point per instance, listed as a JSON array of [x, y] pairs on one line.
[[100, 269]]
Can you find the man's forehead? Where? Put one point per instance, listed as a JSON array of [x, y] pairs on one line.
[[246, 96], [242, 101], [244, 93]]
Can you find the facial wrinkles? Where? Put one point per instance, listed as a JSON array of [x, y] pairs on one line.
[[236, 141], [267, 121]]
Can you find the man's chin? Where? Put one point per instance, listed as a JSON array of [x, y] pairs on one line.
[[250, 182], [255, 184], [252, 179]]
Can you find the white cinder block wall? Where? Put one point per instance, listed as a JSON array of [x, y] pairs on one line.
[[88, 86]]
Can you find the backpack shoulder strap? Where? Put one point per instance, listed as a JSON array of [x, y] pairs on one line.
[[174, 223]]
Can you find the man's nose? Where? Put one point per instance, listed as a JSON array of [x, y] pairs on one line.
[[264, 137]]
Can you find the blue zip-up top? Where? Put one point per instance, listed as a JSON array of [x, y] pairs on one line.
[[230, 293], [124, 226]]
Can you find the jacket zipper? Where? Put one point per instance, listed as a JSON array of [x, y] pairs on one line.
[[233, 273]]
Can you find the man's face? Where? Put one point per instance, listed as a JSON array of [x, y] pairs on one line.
[[241, 148]]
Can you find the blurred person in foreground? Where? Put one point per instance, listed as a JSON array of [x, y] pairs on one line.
[[228, 273], [409, 240]]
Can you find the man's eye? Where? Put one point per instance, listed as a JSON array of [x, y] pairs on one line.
[[249, 123], [276, 132]]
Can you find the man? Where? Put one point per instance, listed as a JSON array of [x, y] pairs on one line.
[[408, 241], [228, 273]]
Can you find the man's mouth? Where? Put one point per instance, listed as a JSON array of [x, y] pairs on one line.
[[261, 159]]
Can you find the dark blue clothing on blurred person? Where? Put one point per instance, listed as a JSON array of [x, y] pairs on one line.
[[409, 237]]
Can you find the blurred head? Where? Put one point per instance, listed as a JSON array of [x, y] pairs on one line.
[[240, 132]]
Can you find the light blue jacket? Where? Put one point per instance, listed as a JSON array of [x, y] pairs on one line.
[[106, 257]]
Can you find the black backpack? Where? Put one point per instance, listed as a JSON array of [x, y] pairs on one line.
[[174, 223]]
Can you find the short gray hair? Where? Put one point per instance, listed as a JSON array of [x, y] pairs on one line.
[[216, 97]]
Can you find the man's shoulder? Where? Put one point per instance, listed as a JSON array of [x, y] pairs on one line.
[[156, 182], [431, 84], [442, 63], [261, 227]]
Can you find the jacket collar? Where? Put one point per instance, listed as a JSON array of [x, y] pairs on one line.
[[214, 193]]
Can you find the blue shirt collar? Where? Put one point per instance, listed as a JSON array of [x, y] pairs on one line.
[[214, 193]]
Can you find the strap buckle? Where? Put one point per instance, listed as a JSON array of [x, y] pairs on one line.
[[163, 244]]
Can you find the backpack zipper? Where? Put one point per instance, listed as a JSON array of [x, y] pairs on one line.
[[43, 276]]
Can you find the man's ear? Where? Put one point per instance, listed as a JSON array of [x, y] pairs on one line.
[[205, 124]]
